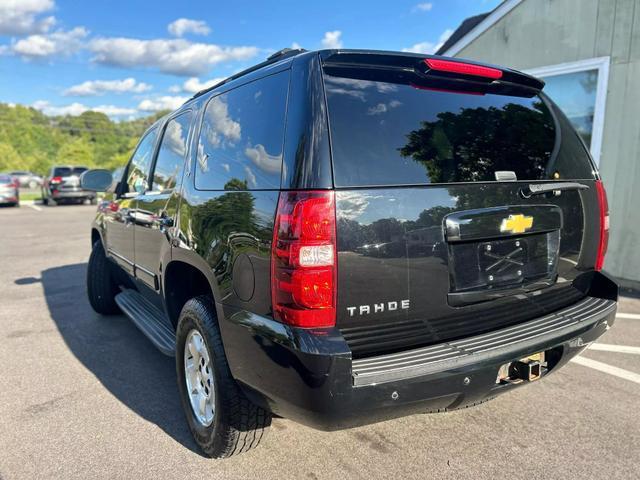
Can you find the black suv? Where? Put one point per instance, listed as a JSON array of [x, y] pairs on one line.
[[340, 237]]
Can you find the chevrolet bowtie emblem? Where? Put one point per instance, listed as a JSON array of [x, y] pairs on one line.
[[516, 223]]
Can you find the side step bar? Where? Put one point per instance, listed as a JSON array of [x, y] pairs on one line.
[[149, 319]]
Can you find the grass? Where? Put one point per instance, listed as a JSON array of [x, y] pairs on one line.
[[30, 195]]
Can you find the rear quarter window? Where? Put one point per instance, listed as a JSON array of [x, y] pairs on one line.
[[241, 139], [399, 134]]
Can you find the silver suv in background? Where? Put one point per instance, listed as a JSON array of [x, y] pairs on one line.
[[27, 179], [9, 194], [62, 185]]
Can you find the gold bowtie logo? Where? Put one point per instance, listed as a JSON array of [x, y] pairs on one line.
[[516, 223]]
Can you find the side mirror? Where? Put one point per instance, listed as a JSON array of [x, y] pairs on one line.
[[96, 180]]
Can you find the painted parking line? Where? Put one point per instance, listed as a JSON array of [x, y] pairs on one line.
[[606, 347], [632, 316], [605, 368], [34, 206]]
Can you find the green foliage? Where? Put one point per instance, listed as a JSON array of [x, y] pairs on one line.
[[30, 140]]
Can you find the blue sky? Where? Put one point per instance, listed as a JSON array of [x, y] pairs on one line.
[[134, 57]]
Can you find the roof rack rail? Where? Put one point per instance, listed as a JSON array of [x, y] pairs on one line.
[[277, 56]]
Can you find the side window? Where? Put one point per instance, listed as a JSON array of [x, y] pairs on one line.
[[171, 155], [241, 140], [138, 172]]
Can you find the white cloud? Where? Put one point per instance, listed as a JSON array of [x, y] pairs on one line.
[[295, 46], [422, 7], [263, 160], [175, 56], [76, 109], [166, 102], [381, 108], [194, 85], [186, 25], [220, 126], [351, 205], [100, 87], [176, 138], [332, 39], [114, 111], [60, 42], [24, 17], [251, 178], [430, 47]]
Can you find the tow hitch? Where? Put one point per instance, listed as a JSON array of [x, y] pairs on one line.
[[527, 369]]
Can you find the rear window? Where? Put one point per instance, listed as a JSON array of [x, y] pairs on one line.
[[5, 179], [68, 171], [398, 134]]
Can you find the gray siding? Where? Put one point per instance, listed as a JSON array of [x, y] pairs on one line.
[[538, 33]]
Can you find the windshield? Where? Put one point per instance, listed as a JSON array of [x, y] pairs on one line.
[[68, 171], [398, 134]]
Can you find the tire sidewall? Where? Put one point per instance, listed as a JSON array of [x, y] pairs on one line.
[[205, 435]]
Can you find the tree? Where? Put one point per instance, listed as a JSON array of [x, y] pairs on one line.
[[76, 152], [9, 158]]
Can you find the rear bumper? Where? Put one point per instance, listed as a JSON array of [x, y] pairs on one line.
[[72, 194], [311, 378], [6, 197]]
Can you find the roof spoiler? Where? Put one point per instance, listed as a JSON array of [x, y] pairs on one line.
[[429, 67]]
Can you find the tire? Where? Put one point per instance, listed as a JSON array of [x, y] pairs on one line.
[[237, 425], [32, 184], [93, 201], [101, 285], [45, 200]]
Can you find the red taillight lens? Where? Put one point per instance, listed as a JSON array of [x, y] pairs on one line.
[[303, 259], [56, 180], [463, 68], [604, 224]]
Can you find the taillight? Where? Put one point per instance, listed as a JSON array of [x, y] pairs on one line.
[[303, 259], [604, 224], [463, 68], [56, 180]]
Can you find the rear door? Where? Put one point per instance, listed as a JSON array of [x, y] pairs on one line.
[[119, 216], [436, 239], [156, 209]]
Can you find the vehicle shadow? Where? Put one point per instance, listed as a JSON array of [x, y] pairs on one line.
[[116, 352]]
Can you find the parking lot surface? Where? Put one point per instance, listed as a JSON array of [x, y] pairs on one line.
[[85, 396]]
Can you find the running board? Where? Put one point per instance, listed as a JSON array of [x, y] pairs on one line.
[[149, 319]]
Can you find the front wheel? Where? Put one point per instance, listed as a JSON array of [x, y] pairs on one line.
[[223, 421]]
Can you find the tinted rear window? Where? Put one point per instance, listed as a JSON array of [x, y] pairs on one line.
[[68, 171], [397, 134], [241, 141]]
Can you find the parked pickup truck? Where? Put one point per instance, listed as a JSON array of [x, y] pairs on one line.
[[345, 236]]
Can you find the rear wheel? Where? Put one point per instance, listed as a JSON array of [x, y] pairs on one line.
[[223, 421], [101, 284]]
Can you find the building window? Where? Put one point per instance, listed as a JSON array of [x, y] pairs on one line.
[[580, 90]]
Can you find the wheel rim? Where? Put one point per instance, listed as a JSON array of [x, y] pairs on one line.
[[198, 374]]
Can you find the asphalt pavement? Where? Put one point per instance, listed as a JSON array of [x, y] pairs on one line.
[[85, 396]]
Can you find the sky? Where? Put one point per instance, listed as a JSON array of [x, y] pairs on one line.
[[130, 58]]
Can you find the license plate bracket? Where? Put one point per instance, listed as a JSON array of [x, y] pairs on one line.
[[505, 263]]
